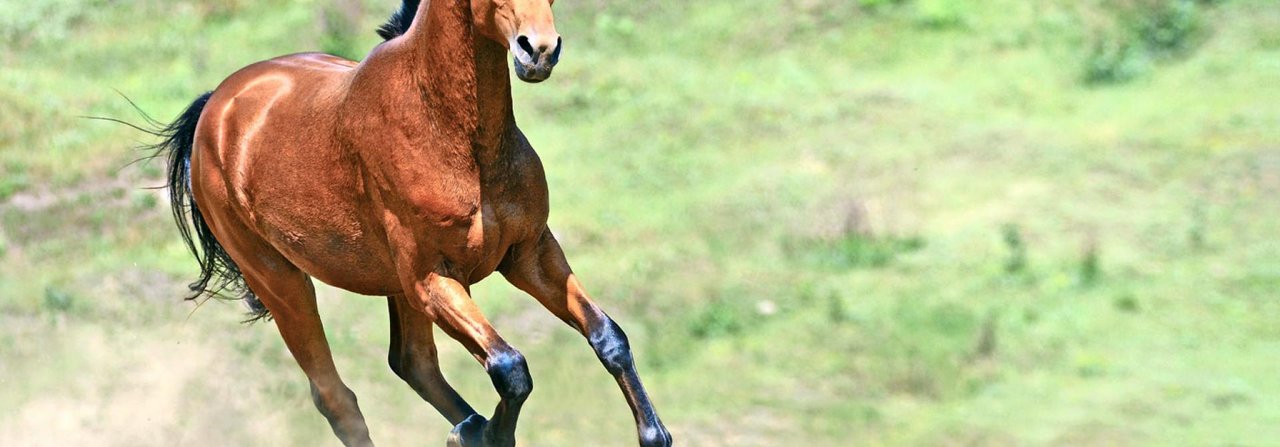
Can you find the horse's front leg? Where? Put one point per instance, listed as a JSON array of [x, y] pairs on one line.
[[539, 268], [447, 302]]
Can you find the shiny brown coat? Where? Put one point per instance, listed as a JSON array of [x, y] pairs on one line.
[[403, 175]]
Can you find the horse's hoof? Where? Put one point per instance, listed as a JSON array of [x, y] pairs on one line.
[[468, 433]]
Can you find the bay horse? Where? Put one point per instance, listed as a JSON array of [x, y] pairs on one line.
[[405, 176]]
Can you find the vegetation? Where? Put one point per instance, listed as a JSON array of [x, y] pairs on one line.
[[822, 222]]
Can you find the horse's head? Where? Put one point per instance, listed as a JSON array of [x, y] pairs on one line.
[[526, 28]]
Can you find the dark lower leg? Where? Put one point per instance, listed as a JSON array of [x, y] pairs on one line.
[[614, 351], [413, 358]]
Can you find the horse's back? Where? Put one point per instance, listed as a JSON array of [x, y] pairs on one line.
[[265, 152]]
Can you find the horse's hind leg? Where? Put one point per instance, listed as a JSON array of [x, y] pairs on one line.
[[289, 295], [285, 291], [540, 269], [291, 299], [412, 356]]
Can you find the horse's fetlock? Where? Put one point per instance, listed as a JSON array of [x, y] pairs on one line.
[[656, 436]]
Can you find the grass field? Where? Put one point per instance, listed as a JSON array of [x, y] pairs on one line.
[[822, 222]]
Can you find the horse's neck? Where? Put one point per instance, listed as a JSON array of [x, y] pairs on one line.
[[494, 101], [463, 75], [442, 45]]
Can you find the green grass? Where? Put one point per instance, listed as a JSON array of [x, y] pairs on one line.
[[821, 222]]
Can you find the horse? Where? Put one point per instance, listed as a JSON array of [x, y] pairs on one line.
[[403, 175]]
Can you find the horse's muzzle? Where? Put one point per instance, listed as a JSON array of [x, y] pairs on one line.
[[534, 64]]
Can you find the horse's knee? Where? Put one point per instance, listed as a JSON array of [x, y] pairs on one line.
[[510, 374], [612, 347]]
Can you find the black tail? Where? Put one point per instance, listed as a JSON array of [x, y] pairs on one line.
[[219, 275]]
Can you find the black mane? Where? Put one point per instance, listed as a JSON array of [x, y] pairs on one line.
[[399, 22]]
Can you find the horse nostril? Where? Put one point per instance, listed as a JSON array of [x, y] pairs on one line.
[[523, 42], [555, 55]]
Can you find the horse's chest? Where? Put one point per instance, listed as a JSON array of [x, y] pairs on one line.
[[499, 224]]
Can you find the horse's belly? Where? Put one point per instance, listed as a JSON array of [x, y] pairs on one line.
[[356, 268], [318, 228], [350, 260]]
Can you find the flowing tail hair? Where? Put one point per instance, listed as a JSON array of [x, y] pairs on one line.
[[219, 275]]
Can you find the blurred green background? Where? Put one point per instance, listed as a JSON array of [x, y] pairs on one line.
[[822, 222]]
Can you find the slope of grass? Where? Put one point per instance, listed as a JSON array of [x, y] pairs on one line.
[[821, 222]]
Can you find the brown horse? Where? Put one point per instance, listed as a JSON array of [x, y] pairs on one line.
[[403, 176]]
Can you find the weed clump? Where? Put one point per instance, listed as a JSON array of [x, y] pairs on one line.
[[57, 300], [721, 317], [1113, 61], [26, 23], [1145, 32], [939, 14], [1199, 226], [1127, 303], [852, 251], [1016, 262], [1090, 263], [878, 4]]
